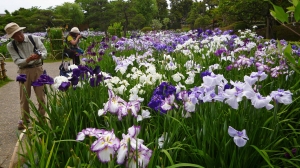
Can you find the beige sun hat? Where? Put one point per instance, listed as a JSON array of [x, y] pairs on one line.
[[75, 30], [12, 28]]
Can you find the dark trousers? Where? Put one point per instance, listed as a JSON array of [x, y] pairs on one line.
[[71, 53], [76, 59]]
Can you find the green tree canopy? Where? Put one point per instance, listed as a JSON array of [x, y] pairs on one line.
[[71, 11]]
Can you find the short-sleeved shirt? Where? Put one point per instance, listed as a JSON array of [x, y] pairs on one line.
[[70, 38]]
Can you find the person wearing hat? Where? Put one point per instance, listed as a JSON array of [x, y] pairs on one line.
[[29, 61], [72, 40]]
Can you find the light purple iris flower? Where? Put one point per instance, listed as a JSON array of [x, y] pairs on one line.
[[211, 96], [114, 103], [254, 77], [106, 146], [168, 103], [281, 96], [138, 153], [189, 101], [134, 107], [92, 132], [235, 95], [240, 138], [213, 80], [259, 101]]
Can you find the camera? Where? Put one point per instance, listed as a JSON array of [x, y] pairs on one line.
[[38, 52], [83, 37]]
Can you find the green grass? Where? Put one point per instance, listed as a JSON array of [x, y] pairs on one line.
[[4, 81]]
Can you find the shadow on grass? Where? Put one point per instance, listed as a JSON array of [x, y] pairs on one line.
[[4, 81]]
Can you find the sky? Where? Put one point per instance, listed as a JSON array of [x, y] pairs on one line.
[[13, 5]]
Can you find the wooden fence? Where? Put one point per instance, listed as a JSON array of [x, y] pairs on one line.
[[2, 67]]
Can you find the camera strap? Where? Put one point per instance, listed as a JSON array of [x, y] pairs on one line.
[[17, 50]]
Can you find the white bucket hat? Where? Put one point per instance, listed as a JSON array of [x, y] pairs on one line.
[[75, 30], [12, 28]]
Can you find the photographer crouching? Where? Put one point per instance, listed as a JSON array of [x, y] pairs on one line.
[[72, 40], [27, 52]]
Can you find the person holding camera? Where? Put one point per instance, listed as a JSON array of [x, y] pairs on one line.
[[72, 40], [27, 52]]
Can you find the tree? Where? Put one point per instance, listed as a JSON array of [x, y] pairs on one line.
[[100, 14], [71, 11], [147, 8], [162, 9], [43, 19], [86, 6], [202, 22], [194, 14], [179, 12], [7, 13], [124, 12], [138, 21]]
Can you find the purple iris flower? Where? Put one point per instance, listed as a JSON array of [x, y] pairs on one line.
[[259, 47], [92, 82], [209, 32], [227, 86], [96, 70], [96, 81], [76, 72], [155, 101], [293, 151], [169, 49], [205, 73], [74, 80], [42, 80], [101, 52], [229, 67], [294, 47], [199, 31], [64, 86], [113, 38], [220, 51], [92, 53], [21, 78], [164, 89]]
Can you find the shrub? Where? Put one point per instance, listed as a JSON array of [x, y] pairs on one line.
[[115, 29], [156, 24], [56, 41], [3, 49], [202, 21], [236, 26], [145, 29]]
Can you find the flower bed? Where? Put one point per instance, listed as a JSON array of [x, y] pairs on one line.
[[195, 99]]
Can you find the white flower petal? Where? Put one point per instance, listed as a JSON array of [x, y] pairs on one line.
[[105, 154], [240, 142]]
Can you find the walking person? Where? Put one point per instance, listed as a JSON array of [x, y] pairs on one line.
[[72, 40], [27, 52]]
